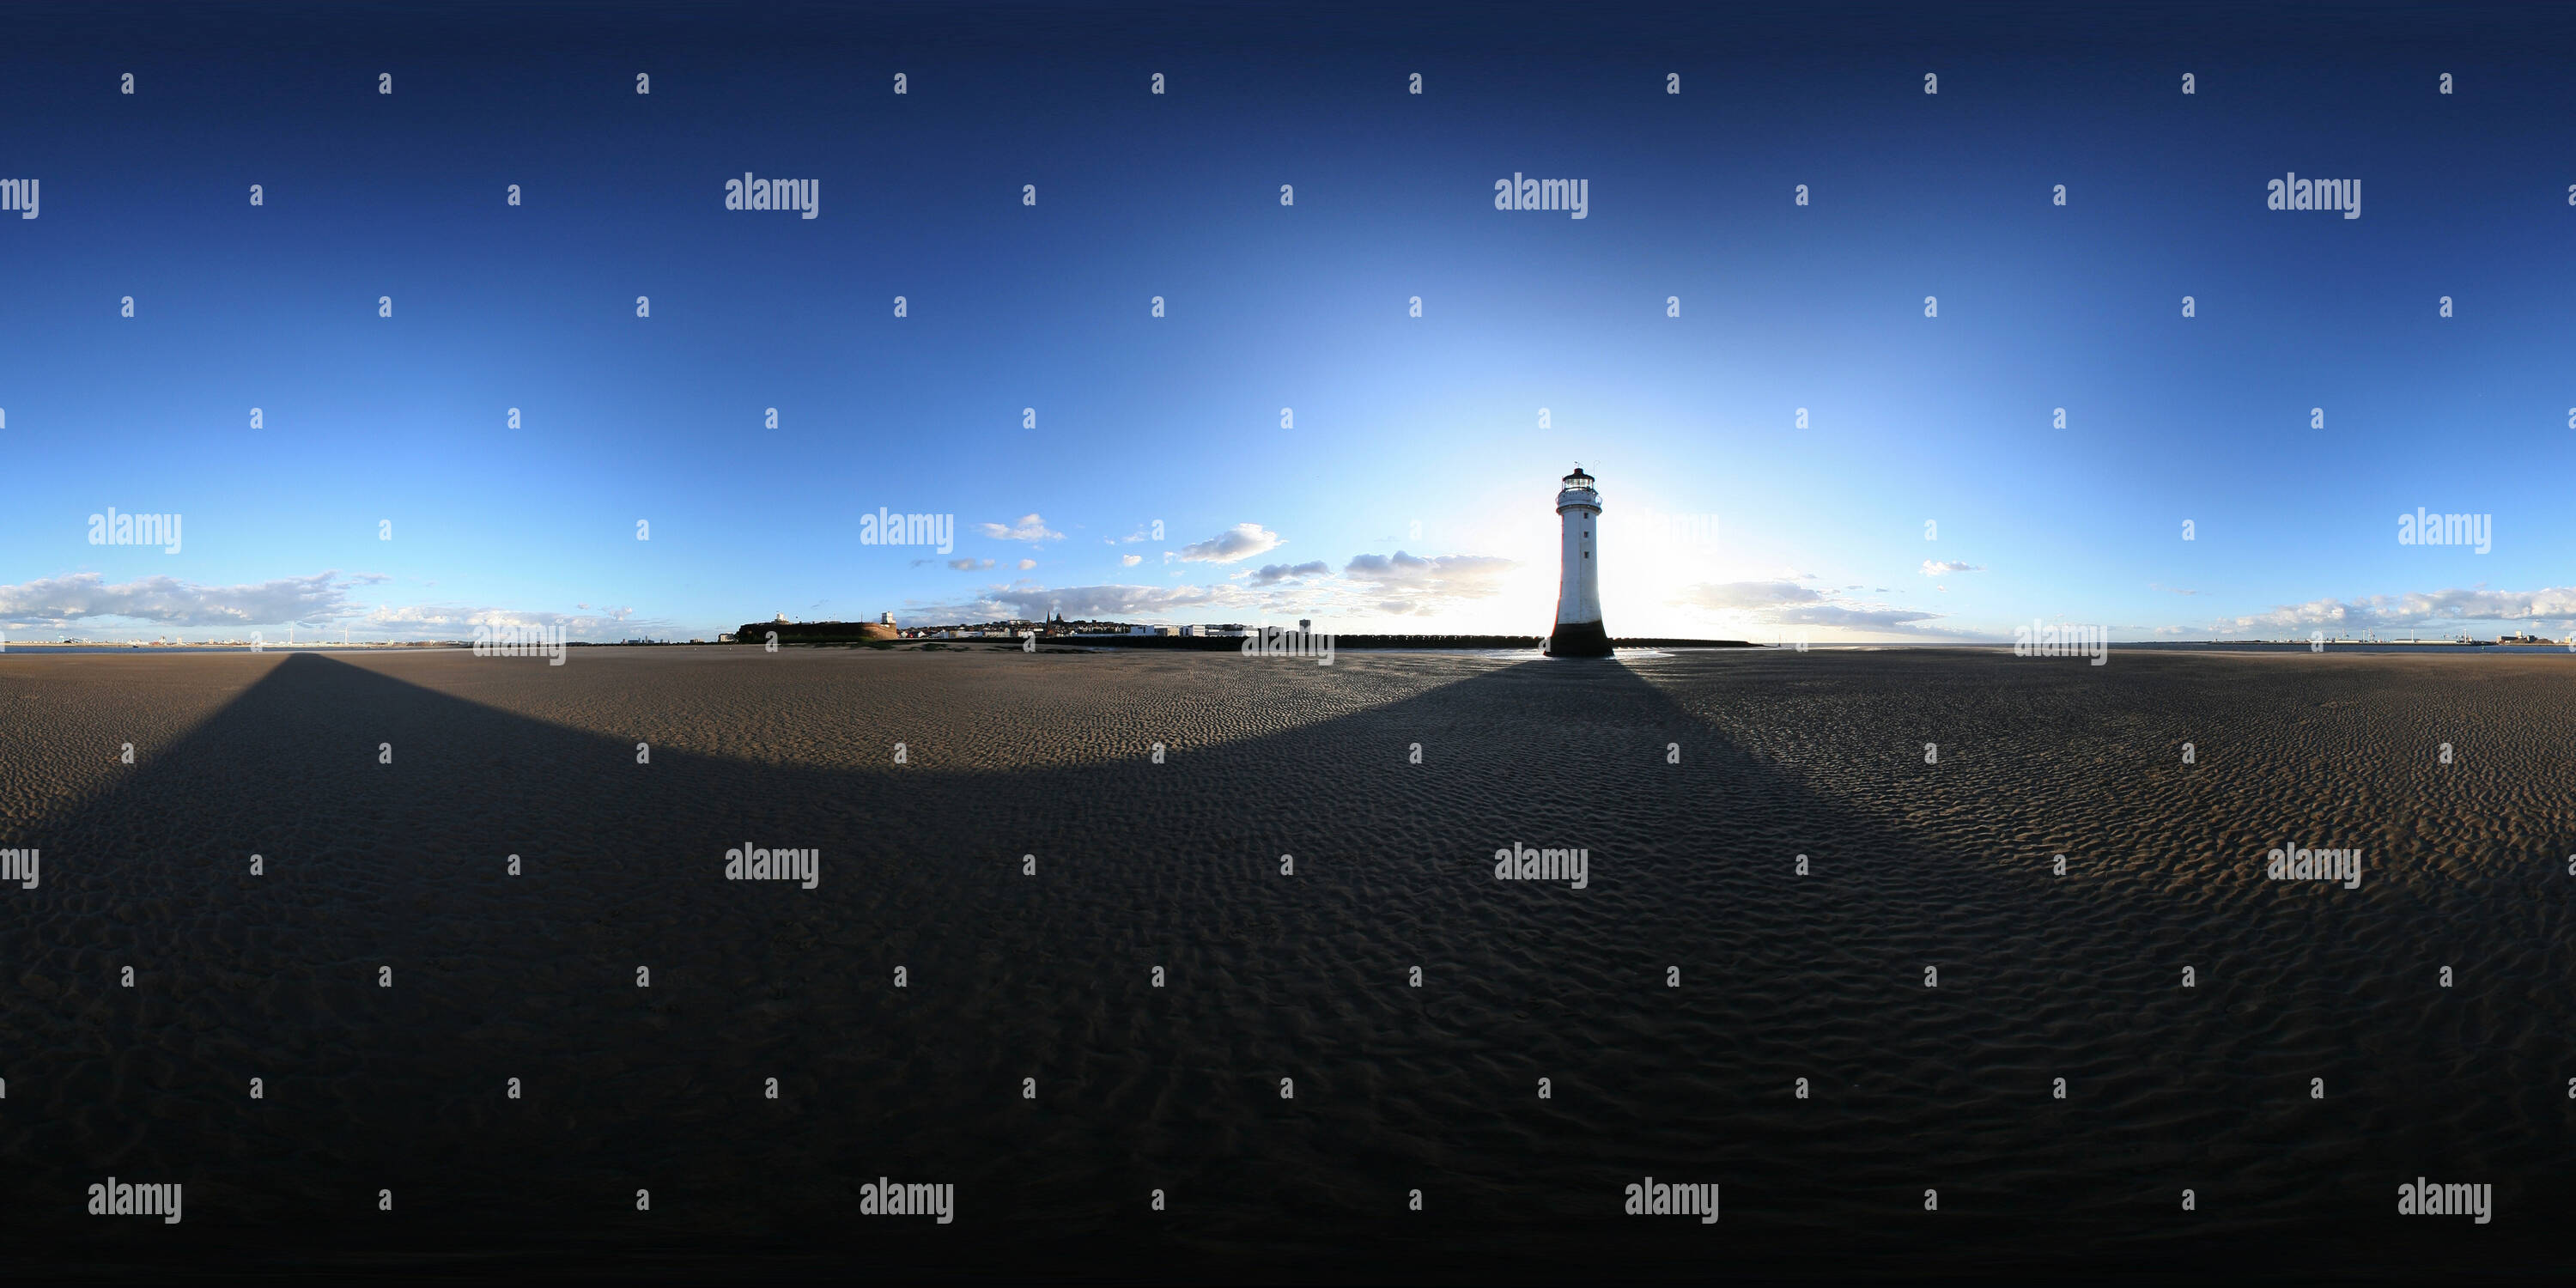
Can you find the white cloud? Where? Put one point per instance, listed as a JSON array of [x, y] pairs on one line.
[[434, 621], [1242, 541], [1029, 528], [1749, 595], [168, 601], [1027, 564], [1102, 602], [1877, 619], [1273, 574], [1426, 585], [2420, 609], [969, 565], [1130, 561], [1463, 576], [83, 604], [1941, 567], [1786, 603]]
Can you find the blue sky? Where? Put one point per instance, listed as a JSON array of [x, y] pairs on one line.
[[1413, 490]]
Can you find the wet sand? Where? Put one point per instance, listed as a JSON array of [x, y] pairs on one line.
[[1396, 1088]]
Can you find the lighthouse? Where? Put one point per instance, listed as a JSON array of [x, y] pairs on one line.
[[1578, 592]]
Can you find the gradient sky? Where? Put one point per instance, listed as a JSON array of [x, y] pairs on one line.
[[1414, 491]]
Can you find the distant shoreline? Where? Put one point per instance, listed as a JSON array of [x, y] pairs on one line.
[[110, 646], [1347, 643], [1234, 643]]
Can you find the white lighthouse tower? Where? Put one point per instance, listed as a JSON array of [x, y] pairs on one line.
[[1578, 592]]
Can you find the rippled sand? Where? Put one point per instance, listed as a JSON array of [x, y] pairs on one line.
[[1176, 865]]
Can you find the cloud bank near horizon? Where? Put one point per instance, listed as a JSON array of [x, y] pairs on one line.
[[87, 606]]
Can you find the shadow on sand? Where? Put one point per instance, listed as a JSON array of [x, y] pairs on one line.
[[1047, 977]]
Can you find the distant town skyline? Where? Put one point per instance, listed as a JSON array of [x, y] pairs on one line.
[[1920, 328]]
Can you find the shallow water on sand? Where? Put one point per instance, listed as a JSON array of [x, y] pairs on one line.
[[1305, 977]]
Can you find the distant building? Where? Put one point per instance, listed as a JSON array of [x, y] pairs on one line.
[[885, 619], [726, 638], [781, 619]]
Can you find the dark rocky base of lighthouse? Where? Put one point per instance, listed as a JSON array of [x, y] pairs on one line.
[[1578, 639]]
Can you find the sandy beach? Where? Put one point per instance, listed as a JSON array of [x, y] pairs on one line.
[[386, 793]]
